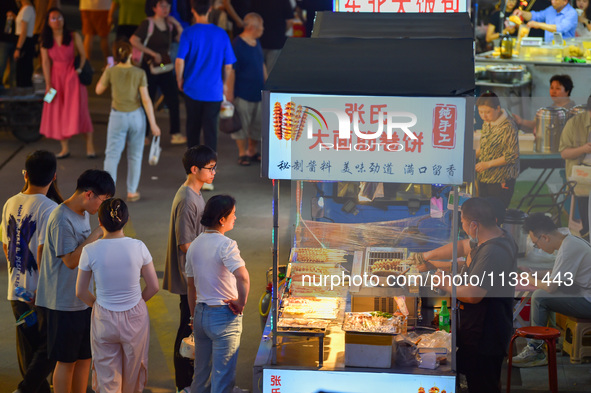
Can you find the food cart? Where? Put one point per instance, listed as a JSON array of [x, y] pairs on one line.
[[364, 111]]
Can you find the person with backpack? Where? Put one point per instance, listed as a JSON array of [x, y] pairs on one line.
[[151, 42]]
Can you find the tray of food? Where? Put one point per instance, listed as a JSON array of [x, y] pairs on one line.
[[302, 324], [375, 322], [298, 290], [385, 261], [310, 307], [317, 255]]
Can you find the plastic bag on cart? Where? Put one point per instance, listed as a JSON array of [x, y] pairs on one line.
[[407, 353], [438, 339], [434, 349]]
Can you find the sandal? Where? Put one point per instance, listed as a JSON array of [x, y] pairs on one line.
[[256, 157], [244, 161], [133, 197]]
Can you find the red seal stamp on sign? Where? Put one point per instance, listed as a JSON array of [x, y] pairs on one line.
[[444, 126]]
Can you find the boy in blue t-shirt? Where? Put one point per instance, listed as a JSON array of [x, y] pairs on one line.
[[204, 50]]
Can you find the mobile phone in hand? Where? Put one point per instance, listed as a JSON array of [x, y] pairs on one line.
[[50, 95], [110, 61]]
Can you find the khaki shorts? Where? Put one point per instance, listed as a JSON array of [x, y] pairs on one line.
[[250, 117], [95, 22]]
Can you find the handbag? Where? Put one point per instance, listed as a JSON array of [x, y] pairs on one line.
[[162, 68], [155, 151], [86, 75], [229, 119]]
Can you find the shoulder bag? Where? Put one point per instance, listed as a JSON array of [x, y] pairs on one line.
[[86, 75]]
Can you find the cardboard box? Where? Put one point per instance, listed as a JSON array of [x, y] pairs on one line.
[[368, 350], [582, 175], [526, 142]]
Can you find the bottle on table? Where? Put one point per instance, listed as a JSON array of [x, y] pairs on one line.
[[444, 322]]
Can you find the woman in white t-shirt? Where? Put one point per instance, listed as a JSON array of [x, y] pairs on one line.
[[120, 327], [217, 293], [25, 46]]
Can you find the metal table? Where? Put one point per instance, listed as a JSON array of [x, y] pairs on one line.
[[548, 162]]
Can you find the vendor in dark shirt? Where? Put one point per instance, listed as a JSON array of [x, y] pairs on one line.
[[486, 310], [496, 25]]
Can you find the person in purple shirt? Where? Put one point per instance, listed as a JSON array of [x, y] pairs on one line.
[[204, 51], [561, 17]]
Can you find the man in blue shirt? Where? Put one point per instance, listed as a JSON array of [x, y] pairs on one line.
[[250, 80], [561, 17], [204, 51]]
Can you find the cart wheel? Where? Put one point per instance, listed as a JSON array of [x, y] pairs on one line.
[[26, 133]]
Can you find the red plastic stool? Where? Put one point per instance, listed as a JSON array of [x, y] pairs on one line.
[[549, 335]]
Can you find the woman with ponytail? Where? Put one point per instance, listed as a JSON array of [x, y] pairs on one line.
[[120, 325], [127, 121]]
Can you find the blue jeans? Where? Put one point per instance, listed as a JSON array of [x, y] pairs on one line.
[[217, 340], [126, 128], [545, 304]]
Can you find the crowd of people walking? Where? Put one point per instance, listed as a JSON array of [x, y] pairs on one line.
[[53, 253]]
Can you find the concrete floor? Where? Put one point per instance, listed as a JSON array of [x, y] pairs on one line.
[[149, 222]]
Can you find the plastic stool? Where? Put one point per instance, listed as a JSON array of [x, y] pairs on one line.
[[574, 332], [549, 335]]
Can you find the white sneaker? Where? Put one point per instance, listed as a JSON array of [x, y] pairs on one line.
[[178, 139], [530, 357], [207, 187]]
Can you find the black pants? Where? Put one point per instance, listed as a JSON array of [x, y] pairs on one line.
[[183, 367], [483, 373], [503, 191], [168, 86], [202, 114], [583, 203], [24, 64], [31, 349]]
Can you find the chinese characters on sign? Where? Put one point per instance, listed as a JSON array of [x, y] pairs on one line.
[[275, 384], [278, 380], [444, 126], [401, 6], [360, 138], [349, 168]]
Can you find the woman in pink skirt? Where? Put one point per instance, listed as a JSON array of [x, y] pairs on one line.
[[120, 325], [67, 114]]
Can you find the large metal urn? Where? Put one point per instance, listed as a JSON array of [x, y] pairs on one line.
[[575, 110], [549, 124], [513, 224]]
